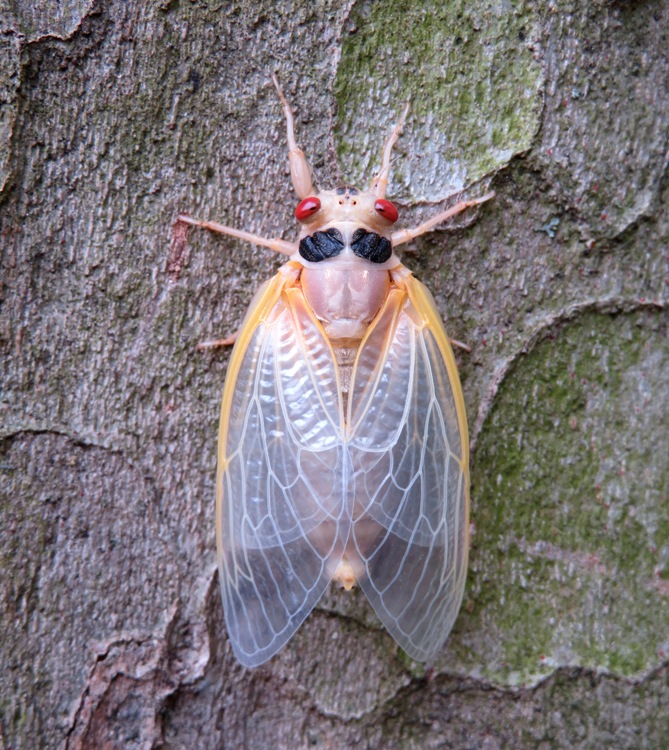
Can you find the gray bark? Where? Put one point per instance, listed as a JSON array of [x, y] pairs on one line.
[[117, 116]]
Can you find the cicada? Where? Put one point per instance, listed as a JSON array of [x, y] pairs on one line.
[[343, 449]]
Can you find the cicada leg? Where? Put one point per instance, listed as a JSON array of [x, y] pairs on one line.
[[275, 245], [214, 343], [405, 235], [459, 345]]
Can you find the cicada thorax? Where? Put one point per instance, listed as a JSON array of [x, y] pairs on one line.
[[345, 294], [346, 255]]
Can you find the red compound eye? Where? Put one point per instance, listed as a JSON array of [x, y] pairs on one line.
[[387, 210], [307, 208]]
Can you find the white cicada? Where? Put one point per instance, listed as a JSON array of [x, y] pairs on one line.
[[343, 448]]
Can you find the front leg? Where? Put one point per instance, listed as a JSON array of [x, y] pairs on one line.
[[404, 235], [215, 343], [276, 245]]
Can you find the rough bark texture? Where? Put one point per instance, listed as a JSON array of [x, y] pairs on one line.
[[115, 117]]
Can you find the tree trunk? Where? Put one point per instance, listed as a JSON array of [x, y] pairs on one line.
[[117, 116]]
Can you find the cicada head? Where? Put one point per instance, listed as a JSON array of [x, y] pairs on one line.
[[346, 205]]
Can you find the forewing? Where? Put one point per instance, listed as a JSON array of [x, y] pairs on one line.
[[409, 453], [282, 470]]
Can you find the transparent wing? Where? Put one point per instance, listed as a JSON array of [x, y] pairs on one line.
[[281, 520], [409, 451]]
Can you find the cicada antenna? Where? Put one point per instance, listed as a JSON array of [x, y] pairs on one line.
[[379, 184], [300, 171]]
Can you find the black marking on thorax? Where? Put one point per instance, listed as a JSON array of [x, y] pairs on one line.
[[371, 246], [321, 245], [328, 244]]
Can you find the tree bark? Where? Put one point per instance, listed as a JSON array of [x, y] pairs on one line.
[[117, 116]]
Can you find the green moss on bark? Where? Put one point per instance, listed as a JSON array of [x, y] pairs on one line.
[[471, 110], [570, 504]]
